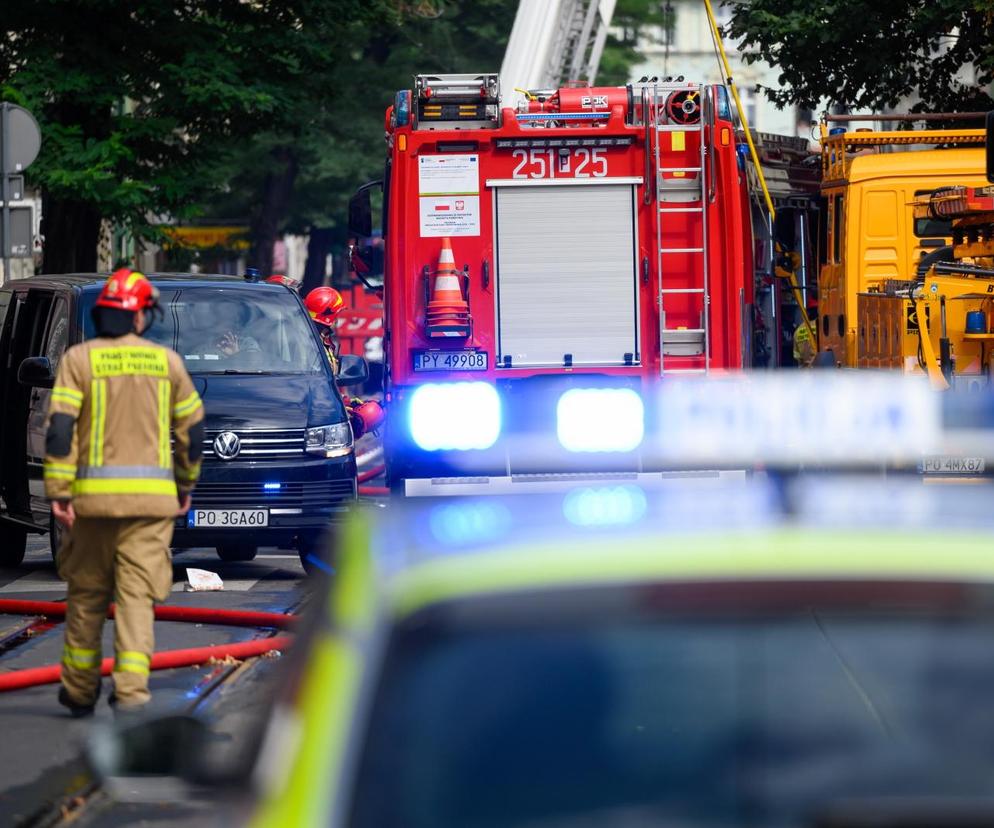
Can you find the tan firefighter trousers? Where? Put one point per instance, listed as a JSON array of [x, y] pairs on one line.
[[125, 560]]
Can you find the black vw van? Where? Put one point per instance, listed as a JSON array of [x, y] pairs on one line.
[[278, 463]]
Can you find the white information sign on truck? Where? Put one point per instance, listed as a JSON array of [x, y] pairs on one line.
[[449, 190]]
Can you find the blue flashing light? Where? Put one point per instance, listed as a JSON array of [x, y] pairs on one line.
[[742, 152], [455, 416], [470, 522], [607, 506], [402, 107], [272, 487], [600, 419]]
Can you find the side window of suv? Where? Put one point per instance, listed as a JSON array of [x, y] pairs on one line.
[[31, 316], [57, 336]]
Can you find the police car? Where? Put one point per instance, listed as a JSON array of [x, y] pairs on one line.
[[623, 656]]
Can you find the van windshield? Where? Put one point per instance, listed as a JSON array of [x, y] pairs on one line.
[[232, 331]]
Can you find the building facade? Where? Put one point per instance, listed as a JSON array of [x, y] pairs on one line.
[[685, 47]]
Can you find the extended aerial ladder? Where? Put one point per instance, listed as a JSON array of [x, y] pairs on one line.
[[554, 43]]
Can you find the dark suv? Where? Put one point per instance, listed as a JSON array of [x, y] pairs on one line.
[[278, 462]]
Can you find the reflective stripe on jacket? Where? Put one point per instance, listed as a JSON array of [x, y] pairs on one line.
[[131, 405]]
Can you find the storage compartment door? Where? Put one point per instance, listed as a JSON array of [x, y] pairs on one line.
[[567, 274]]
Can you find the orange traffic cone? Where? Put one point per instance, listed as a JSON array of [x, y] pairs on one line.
[[447, 314]]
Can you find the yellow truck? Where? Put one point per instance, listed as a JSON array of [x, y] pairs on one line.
[[875, 243]]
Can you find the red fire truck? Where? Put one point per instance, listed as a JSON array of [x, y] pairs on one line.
[[593, 239]]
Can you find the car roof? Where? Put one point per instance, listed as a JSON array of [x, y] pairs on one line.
[[762, 555], [434, 552], [96, 280]]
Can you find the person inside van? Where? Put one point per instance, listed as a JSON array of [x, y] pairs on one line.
[[231, 342], [231, 332]]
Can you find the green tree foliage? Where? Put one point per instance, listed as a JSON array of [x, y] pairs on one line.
[[346, 148], [338, 144], [140, 103], [868, 54], [270, 110]]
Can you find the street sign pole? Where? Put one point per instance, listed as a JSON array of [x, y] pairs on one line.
[[5, 187], [20, 140]]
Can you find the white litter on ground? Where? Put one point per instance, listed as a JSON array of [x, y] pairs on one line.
[[202, 580]]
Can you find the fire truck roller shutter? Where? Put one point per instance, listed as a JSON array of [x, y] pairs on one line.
[[567, 274]]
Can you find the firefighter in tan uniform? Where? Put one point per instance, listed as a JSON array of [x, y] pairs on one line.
[[116, 485]]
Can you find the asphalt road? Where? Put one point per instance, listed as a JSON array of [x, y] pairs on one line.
[[41, 770]]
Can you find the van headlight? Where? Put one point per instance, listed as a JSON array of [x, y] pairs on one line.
[[330, 440]]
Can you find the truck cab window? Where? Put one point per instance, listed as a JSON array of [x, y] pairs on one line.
[[838, 217], [930, 227]]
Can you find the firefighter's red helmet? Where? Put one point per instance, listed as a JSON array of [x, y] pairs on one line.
[[128, 290], [324, 304]]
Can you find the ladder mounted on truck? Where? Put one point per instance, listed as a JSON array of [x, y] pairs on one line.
[[679, 110]]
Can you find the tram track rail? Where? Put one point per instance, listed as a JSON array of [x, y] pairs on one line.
[[70, 809]]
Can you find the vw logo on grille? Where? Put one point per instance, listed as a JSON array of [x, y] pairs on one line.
[[227, 445]]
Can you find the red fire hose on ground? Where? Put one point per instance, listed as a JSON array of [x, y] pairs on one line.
[[376, 471], [369, 474], [20, 679], [192, 615]]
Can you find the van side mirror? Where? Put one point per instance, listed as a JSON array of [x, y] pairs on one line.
[[36, 372], [990, 146], [361, 210], [352, 370]]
